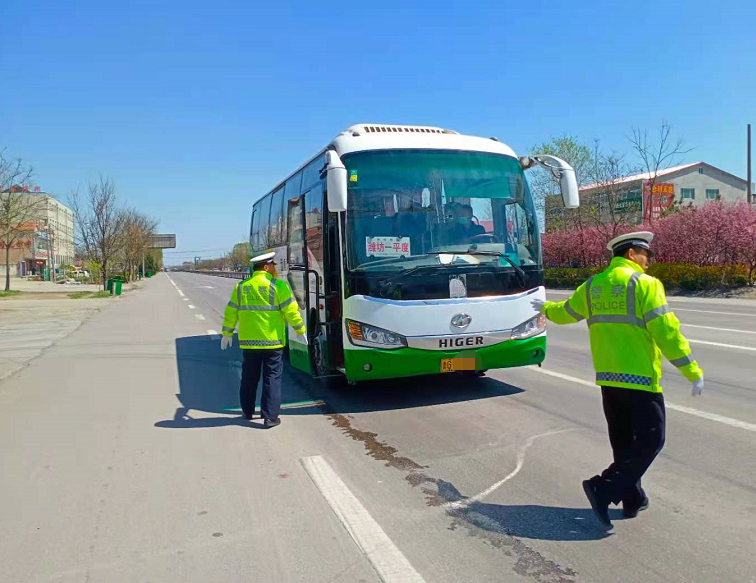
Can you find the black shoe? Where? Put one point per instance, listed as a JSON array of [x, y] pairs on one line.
[[632, 512], [247, 417], [269, 423], [601, 509]]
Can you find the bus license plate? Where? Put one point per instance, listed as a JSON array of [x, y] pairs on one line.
[[447, 365]]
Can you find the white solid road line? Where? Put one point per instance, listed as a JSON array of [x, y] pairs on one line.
[[736, 346], [720, 329], [180, 293], [199, 316], [190, 306], [392, 566], [713, 312], [186, 299], [695, 412], [212, 333]]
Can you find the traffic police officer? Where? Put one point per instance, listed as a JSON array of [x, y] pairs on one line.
[[261, 305], [630, 326]]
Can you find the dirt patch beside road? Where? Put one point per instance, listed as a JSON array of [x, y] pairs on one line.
[[29, 323]]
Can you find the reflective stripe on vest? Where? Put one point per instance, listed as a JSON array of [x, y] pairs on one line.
[[571, 312], [259, 342], [618, 377]]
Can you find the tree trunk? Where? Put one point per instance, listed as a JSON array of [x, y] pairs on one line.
[[104, 276], [7, 267]]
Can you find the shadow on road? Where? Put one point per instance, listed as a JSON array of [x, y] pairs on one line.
[[209, 383], [412, 392], [536, 522]]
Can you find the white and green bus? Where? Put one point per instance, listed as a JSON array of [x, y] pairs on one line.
[[411, 251]]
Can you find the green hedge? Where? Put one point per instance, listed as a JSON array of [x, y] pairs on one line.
[[674, 276]]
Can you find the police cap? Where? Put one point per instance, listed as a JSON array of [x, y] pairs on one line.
[[260, 260], [622, 243]]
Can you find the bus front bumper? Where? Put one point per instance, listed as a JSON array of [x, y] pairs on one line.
[[363, 365]]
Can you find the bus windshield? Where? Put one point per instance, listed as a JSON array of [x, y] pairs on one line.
[[410, 207]]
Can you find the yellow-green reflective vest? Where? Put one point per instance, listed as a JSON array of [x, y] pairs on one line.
[[262, 305], [630, 326]]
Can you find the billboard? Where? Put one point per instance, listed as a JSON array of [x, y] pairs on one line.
[[163, 242], [657, 199]]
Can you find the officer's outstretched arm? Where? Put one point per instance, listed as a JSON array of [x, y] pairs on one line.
[[231, 315], [664, 328], [289, 308], [569, 311]]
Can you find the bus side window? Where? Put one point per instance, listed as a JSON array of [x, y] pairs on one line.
[[296, 235], [276, 232], [314, 226], [254, 231]]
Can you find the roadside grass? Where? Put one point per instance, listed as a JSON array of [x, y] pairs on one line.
[[88, 295], [5, 294]]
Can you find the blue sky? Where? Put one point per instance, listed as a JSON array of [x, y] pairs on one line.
[[195, 109]]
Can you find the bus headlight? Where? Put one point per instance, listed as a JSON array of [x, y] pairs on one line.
[[365, 335], [536, 325]]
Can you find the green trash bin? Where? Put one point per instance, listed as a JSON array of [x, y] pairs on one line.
[[117, 283]]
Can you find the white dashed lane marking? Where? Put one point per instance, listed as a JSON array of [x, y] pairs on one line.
[[392, 566]]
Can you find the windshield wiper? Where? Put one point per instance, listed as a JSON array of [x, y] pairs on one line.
[[386, 285], [521, 275], [473, 251]]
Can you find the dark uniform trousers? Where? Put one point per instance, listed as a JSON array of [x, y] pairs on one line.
[[270, 362], [636, 421]]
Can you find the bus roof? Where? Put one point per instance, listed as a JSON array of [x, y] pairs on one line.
[[366, 136]]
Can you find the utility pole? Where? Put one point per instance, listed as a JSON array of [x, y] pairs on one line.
[[52, 254], [750, 194]]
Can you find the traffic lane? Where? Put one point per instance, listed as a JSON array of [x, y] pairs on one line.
[[424, 420], [466, 436], [116, 481], [210, 292], [729, 390], [421, 531]]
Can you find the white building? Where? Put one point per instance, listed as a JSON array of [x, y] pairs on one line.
[[696, 184], [50, 239], [58, 219]]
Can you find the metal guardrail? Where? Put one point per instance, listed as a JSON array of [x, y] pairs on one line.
[[229, 274]]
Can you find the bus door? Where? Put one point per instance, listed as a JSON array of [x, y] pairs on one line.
[[299, 352], [321, 332]]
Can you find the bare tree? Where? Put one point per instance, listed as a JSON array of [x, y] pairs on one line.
[[657, 154], [604, 201], [19, 209], [545, 187], [99, 222], [138, 230]]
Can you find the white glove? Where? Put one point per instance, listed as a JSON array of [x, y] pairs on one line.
[[538, 305], [698, 387], [226, 341]]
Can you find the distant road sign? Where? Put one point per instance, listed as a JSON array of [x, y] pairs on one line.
[[163, 242]]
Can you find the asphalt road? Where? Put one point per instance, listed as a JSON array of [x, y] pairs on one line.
[[134, 466]]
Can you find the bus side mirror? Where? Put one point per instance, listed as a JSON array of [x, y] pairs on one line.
[[562, 171], [336, 181]]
